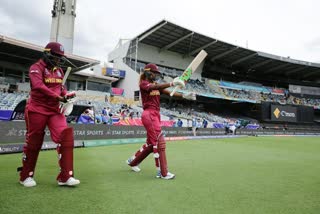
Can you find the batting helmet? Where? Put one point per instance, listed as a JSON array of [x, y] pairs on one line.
[[54, 48], [151, 67]]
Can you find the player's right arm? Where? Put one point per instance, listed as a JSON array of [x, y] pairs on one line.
[[147, 86]]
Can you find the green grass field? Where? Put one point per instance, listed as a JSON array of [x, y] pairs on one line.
[[246, 175]]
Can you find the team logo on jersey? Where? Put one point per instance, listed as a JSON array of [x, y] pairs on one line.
[[46, 72], [154, 93], [52, 80], [59, 74]]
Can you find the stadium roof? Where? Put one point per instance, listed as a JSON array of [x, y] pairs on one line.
[[22, 54], [168, 36]]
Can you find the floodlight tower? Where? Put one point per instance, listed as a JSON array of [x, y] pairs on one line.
[[62, 25]]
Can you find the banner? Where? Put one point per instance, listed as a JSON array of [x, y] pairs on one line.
[[283, 113], [117, 91], [298, 89], [115, 73], [277, 91], [15, 132], [12, 134], [5, 114]]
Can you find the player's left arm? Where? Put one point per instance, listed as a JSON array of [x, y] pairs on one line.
[[187, 95], [162, 86], [167, 92], [37, 82]]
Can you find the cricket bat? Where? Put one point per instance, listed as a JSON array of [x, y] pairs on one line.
[[191, 68], [66, 108], [66, 75]]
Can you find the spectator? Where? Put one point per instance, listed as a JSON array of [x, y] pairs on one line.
[[105, 115], [174, 124], [194, 126], [89, 111], [123, 114], [226, 127], [104, 111], [232, 129], [238, 124], [204, 123], [198, 123], [87, 117], [131, 115], [110, 121]]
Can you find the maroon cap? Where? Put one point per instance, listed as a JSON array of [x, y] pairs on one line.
[[55, 48], [151, 67]]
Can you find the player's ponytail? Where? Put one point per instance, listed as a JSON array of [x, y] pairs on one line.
[[142, 77]]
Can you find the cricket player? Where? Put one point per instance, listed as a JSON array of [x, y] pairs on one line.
[[43, 109], [150, 92]]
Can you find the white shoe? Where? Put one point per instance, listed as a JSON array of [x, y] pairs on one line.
[[28, 182], [134, 168], [158, 175], [70, 182], [168, 176]]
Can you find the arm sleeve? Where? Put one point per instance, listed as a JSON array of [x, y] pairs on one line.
[[36, 79], [167, 92], [145, 86]]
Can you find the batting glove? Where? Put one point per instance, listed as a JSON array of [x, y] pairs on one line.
[[66, 106], [178, 82]]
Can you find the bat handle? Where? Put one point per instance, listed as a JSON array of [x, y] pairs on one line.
[[174, 90], [66, 75]]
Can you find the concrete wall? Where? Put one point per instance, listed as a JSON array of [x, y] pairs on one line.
[[119, 52], [149, 53], [62, 25], [130, 82]]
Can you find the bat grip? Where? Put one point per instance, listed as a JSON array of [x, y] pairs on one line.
[[174, 90]]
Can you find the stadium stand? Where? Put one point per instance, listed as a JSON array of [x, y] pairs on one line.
[[225, 87], [242, 91], [8, 101]]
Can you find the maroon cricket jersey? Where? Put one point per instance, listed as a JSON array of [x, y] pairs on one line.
[[46, 86], [150, 98]]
